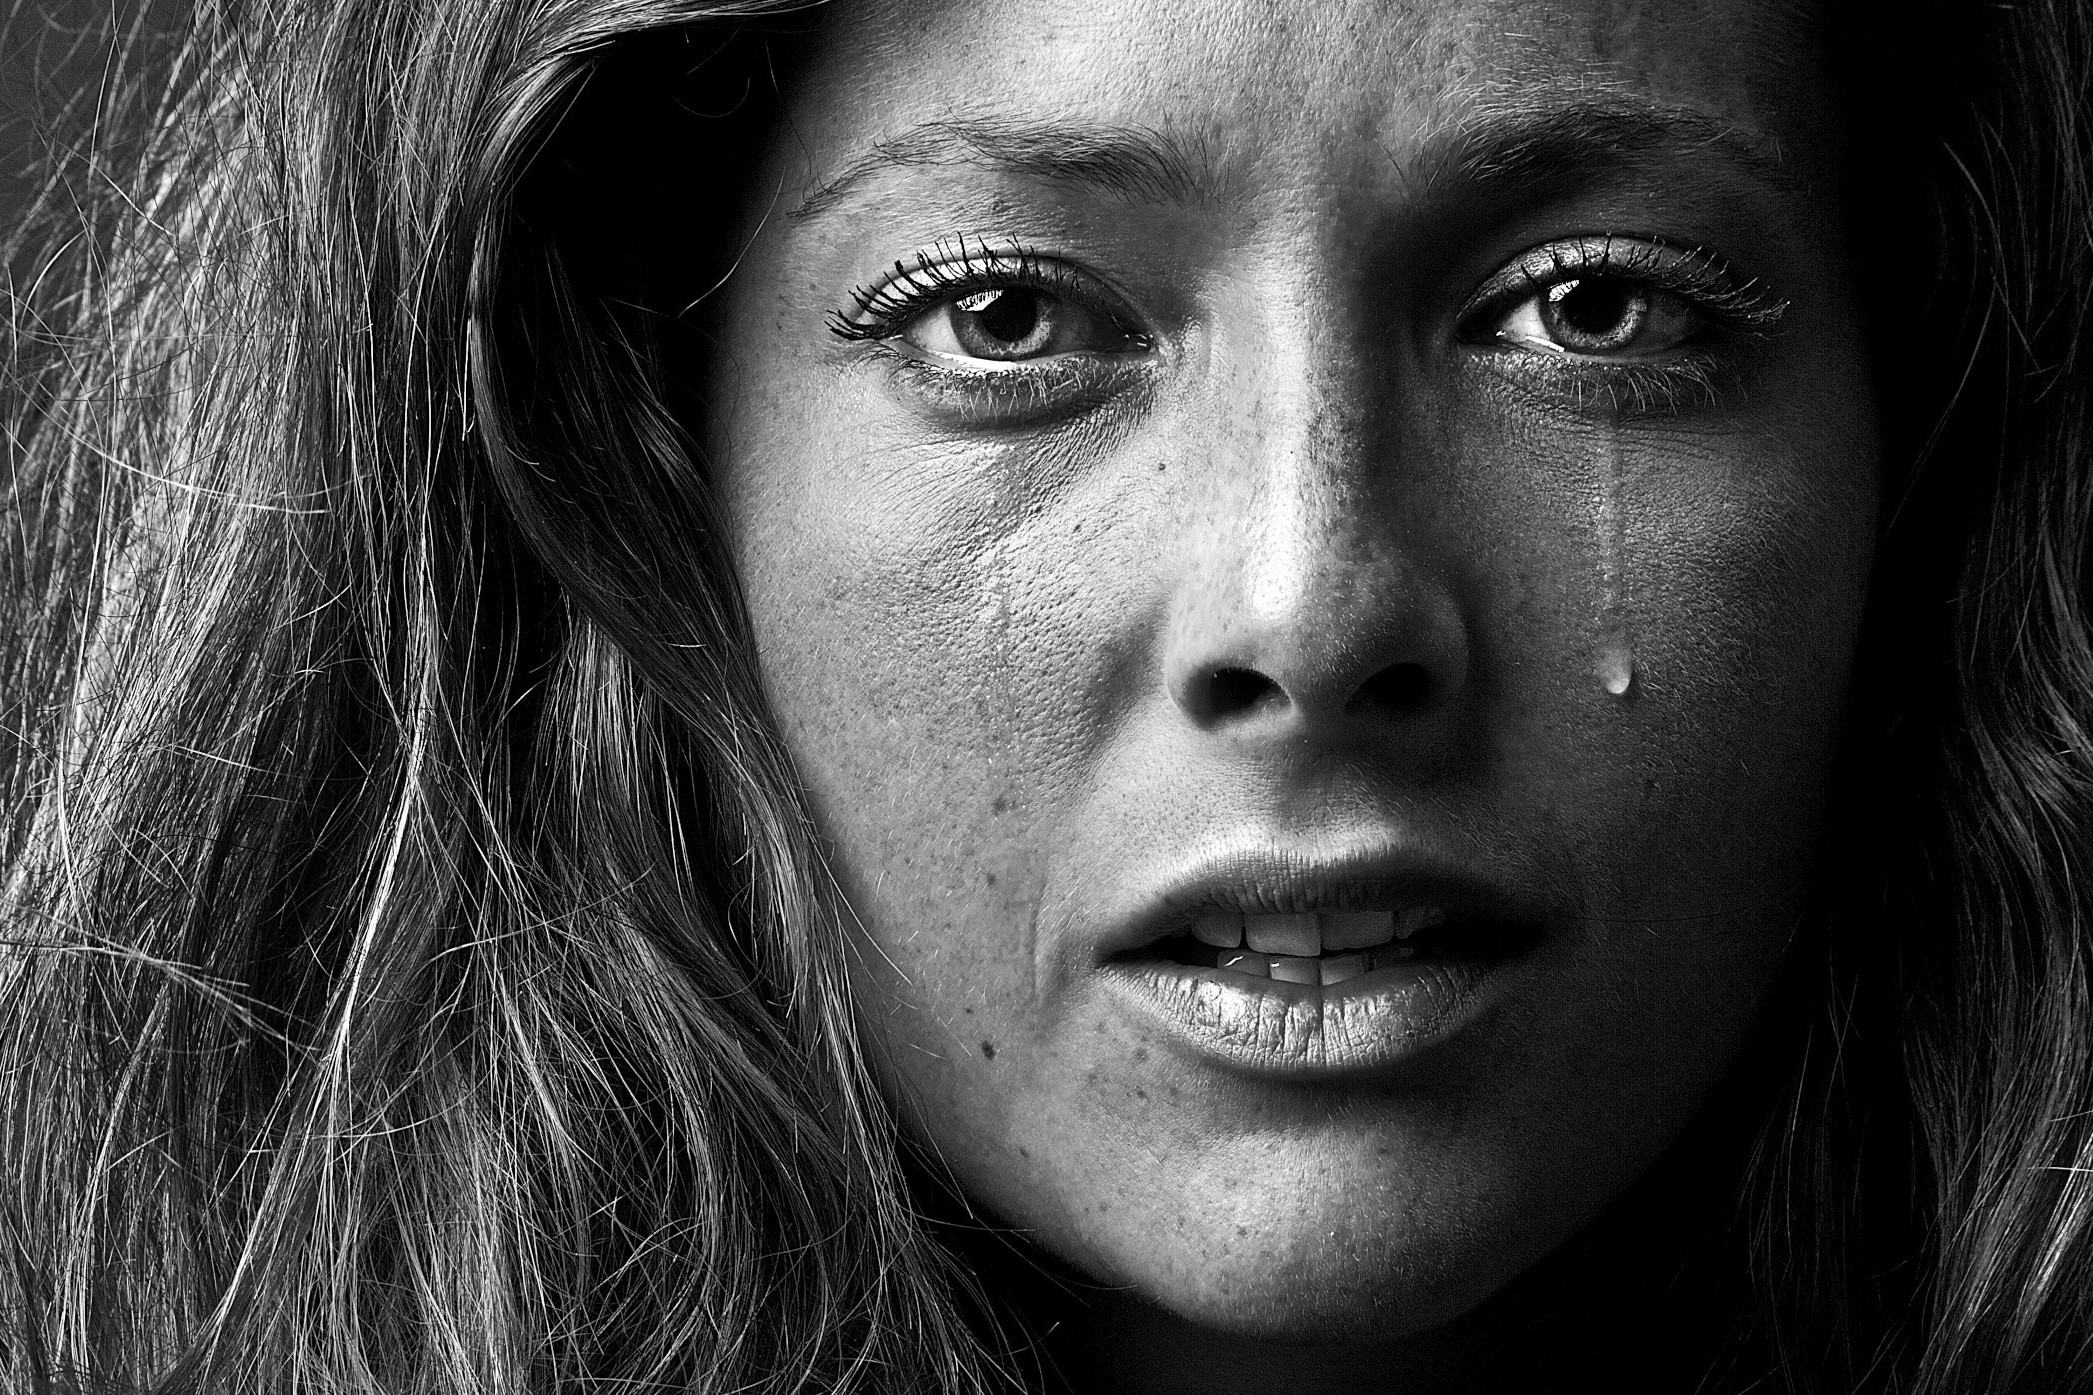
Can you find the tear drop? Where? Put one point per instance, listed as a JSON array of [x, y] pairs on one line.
[[1617, 668], [1616, 660]]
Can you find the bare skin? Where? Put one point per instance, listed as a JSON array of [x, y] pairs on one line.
[[1223, 480]]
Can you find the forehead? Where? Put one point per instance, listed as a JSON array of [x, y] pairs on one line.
[[1344, 90]]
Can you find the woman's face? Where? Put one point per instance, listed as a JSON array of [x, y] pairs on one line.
[[1308, 557]]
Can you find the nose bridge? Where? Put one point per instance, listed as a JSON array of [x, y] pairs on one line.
[[1306, 477], [1302, 601], [1292, 439]]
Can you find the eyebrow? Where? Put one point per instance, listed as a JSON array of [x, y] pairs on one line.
[[1525, 143], [1147, 166], [1498, 144]]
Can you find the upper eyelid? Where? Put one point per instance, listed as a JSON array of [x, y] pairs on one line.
[[1574, 255], [1748, 303], [947, 270]]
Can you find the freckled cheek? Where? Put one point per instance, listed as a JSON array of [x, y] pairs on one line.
[[946, 653]]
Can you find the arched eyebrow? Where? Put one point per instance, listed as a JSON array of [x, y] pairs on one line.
[[1144, 165], [1496, 145]]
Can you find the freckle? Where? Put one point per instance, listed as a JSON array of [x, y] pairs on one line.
[[999, 804], [988, 1049], [989, 877], [969, 1012], [1024, 1152], [1242, 1230], [1140, 1094], [1161, 468]]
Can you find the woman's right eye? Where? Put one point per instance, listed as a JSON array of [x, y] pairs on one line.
[[974, 311], [1012, 325]]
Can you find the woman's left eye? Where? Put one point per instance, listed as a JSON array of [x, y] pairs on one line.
[[1012, 324], [1599, 317]]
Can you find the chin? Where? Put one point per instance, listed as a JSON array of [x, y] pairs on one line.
[[1344, 1289]]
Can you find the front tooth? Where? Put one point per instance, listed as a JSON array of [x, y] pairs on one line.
[[1295, 935], [1288, 969], [1220, 931], [1339, 967], [1409, 922], [1357, 929], [1244, 962]]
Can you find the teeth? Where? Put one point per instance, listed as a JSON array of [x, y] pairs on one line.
[[1357, 929], [1292, 948], [1289, 969], [1416, 918], [1296, 935], [1340, 967]]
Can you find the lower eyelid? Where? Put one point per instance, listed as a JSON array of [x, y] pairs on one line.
[[1048, 387], [1693, 379]]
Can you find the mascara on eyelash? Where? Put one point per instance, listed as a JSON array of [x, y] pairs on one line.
[[1700, 275], [883, 309]]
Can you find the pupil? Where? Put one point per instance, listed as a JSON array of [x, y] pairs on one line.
[[1010, 316], [1594, 306]]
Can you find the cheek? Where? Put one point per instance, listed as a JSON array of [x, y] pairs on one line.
[[950, 639], [1662, 615]]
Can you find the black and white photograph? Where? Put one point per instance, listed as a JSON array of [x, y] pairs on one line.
[[1046, 697]]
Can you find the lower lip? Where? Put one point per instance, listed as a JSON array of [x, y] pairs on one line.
[[1269, 1027]]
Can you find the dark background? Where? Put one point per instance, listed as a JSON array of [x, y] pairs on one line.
[[52, 56]]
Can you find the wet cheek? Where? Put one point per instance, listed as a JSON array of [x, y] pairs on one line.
[[1725, 566]]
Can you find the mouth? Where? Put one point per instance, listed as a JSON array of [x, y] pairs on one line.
[[1327, 948], [1312, 967]]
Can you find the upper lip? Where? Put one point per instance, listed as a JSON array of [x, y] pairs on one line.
[[1263, 879]]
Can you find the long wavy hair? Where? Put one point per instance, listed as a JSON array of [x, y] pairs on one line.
[[420, 973]]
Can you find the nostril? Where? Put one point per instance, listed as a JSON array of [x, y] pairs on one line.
[[1396, 688], [1233, 690]]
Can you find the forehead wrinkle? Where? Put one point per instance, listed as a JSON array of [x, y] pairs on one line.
[[1132, 162]]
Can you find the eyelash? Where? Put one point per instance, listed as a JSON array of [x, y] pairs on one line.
[[1700, 277], [950, 269]]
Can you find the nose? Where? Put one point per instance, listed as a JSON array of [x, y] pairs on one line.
[[1309, 602]]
